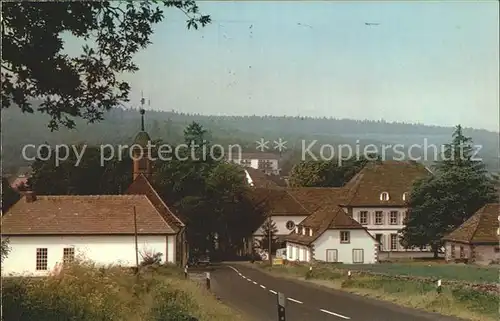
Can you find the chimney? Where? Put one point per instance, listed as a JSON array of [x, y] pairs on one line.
[[30, 196]]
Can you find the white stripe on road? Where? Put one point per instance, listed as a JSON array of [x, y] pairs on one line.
[[290, 299], [335, 314]]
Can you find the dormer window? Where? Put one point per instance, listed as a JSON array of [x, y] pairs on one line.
[[296, 229], [384, 196], [303, 231], [310, 232], [405, 196]]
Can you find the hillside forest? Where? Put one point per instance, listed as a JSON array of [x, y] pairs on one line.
[[120, 125]]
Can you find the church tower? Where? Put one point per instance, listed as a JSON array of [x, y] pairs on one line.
[[141, 153]]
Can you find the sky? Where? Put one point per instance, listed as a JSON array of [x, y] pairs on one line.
[[428, 62]]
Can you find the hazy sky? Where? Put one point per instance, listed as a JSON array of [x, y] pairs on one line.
[[434, 62]]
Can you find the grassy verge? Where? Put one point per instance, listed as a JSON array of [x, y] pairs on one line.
[[456, 301], [84, 292]]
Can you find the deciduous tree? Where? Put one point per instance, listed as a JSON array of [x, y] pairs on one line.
[[36, 67]]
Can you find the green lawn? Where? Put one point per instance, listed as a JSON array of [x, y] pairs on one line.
[[439, 271]]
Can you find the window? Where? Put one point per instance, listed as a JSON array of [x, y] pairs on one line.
[[363, 217], [394, 217], [497, 249], [405, 196], [344, 237], [310, 232], [394, 242], [452, 251], [41, 259], [462, 252], [358, 256], [331, 255], [246, 162], [290, 225], [384, 196], [379, 217], [264, 164], [68, 255]]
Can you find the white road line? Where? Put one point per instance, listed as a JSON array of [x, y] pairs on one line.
[[234, 269], [335, 314], [262, 286], [249, 280], [254, 282], [273, 292], [296, 301]]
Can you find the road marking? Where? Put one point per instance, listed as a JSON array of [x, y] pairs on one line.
[[296, 301], [262, 286], [234, 269], [254, 282], [335, 314], [273, 292], [249, 280]]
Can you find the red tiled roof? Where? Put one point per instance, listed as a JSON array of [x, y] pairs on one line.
[[480, 228], [393, 177], [313, 198], [325, 203], [84, 215], [141, 186], [276, 202], [327, 218]]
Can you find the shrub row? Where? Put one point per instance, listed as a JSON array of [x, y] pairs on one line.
[[84, 292]]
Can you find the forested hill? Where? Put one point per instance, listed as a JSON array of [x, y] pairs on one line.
[[121, 125]]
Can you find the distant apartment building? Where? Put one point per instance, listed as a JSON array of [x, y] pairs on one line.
[[266, 162]]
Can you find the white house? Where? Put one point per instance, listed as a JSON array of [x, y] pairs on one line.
[[281, 208], [46, 230], [378, 197], [331, 235], [267, 162]]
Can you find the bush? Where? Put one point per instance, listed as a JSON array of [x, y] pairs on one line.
[[149, 258], [85, 292]]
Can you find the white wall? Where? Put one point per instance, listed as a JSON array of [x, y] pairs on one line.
[[99, 249], [385, 229], [281, 224], [359, 239], [297, 252]]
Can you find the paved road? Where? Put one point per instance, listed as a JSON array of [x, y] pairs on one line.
[[254, 294]]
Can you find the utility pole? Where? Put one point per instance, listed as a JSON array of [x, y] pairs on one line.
[[136, 245], [270, 241]]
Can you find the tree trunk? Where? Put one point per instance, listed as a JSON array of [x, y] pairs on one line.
[[435, 249]]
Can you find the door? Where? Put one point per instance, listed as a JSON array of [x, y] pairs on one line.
[[331, 255], [358, 256]]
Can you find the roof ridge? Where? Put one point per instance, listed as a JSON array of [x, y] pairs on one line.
[[157, 212], [479, 213], [297, 201], [161, 199]]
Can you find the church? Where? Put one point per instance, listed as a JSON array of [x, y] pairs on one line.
[[45, 231]]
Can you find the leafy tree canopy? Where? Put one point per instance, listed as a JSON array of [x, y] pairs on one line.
[[9, 195], [34, 65], [269, 231], [320, 173]]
